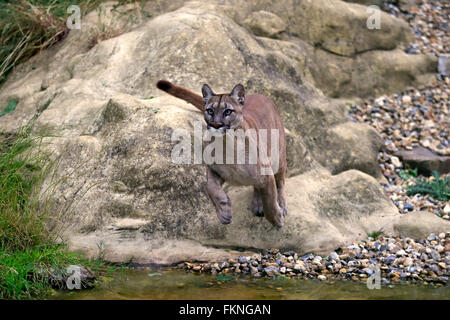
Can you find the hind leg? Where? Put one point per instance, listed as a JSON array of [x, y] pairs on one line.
[[257, 204], [269, 195], [279, 178]]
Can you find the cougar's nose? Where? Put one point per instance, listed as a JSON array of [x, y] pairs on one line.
[[216, 125]]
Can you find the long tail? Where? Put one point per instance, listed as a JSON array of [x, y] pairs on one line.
[[182, 93]]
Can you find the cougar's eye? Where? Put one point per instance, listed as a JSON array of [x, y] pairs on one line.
[[228, 112], [210, 111]]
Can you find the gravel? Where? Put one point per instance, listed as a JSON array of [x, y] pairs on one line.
[[429, 22], [396, 259], [416, 116]]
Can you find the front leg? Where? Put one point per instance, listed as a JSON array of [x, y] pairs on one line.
[[281, 194], [221, 201]]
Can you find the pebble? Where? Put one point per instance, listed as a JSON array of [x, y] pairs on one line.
[[407, 119], [399, 259], [446, 209], [415, 116]]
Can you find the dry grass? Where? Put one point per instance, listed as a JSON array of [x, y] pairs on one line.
[[29, 26]]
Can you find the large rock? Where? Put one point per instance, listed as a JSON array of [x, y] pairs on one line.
[[346, 33], [116, 191], [266, 24], [425, 160], [420, 224], [325, 212], [370, 73]]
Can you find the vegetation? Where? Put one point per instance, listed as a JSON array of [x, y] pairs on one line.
[[437, 188], [407, 174], [27, 246], [375, 234], [26, 274], [29, 26], [22, 165], [28, 250]]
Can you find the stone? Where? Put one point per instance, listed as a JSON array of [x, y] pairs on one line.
[[242, 260], [444, 64], [322, 277], [338, 35], [271, 271], [396, 162], [425, 160], [447, 209], [265, 24], [136, 202], [334, 256], [420, 224], [59, 276]]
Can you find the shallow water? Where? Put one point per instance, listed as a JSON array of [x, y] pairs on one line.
[[178, 284]]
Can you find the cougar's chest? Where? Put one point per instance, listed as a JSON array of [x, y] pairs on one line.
[[237, 174]]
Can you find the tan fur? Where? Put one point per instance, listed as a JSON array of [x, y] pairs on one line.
[[255, 112]]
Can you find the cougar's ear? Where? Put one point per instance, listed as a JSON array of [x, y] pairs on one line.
[[207, 92], [238, 93]]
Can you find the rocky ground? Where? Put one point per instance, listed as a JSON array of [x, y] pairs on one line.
[[406, 120], [430, 23], [416, 116], [397, 259]]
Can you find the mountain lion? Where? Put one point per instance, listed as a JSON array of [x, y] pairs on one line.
[[224, 112]]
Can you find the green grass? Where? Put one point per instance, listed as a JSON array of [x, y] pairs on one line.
[[375, 234], [439, 188], [25, 274], [408, 174], [22, 168], [27, 248]]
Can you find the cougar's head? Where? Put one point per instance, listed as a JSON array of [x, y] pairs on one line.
[[223, 111]]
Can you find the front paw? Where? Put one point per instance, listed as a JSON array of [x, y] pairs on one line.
[[284, 210], [277, 219], [224, 218]]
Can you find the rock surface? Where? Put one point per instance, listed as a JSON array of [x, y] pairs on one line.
[[444, 65], [425, 160], [119, 193], [265, 24], [419, 224]]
